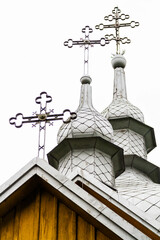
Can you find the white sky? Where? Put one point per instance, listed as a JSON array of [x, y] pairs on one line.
[[33, 59]]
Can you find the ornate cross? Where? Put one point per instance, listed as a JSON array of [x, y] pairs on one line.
[[42, 118], [86, 42], [116, 17]]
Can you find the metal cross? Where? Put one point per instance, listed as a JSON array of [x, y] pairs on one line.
[[42, 118], [86, 42], [117, 16]]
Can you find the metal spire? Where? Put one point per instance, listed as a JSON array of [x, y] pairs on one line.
[[42, 118], [116, 16], [86, 42]]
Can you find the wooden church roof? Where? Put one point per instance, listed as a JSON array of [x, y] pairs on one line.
[[40, 203]]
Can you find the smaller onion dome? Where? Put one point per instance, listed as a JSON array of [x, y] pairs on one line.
[[120, 106], [89, 122]]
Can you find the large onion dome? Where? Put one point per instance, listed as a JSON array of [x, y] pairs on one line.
[[85, 144]]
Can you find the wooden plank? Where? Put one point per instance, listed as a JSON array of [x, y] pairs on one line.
[[66, 223], [7, 226], [16, 221], [48, 217], [0, 227], [85, 230], [29, 218], [101, 236]]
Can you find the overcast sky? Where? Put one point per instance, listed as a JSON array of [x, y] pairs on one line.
[[33, 59]]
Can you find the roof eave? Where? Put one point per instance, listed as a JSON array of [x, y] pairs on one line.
[[69, 144], [130, 123], [146, 167]]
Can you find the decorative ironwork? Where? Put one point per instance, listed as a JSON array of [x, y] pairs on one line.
[[86, 42], [42, 118], [116, 17]]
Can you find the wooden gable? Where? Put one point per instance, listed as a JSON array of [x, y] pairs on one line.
[[42, 216], [40, 203]]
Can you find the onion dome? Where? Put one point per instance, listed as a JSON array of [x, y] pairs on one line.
[[120, 106], [89, 122], [85, 144], [121, 110], [129, 130]]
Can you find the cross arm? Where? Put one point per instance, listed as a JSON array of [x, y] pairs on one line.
[[19, 119], [132, 24], [66, 116], [123, 40], [102, 41], [111, 17], [70, 43], [101, 26]]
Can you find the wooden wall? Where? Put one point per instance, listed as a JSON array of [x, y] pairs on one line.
[[42, 217]]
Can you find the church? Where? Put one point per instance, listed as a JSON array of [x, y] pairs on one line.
[[97, 183]]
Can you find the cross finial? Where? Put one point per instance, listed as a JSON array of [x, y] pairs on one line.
[[86, 42], [42, 118], [116, 16], [87, 30]]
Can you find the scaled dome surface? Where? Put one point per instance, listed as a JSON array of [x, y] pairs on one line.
[[89, 122], [122, 108]]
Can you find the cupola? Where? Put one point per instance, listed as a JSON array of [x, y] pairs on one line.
[[85, 144], [130, 132]]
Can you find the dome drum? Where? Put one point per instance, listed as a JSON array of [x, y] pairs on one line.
[[92, 161], [60, 153], [131, 142]]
